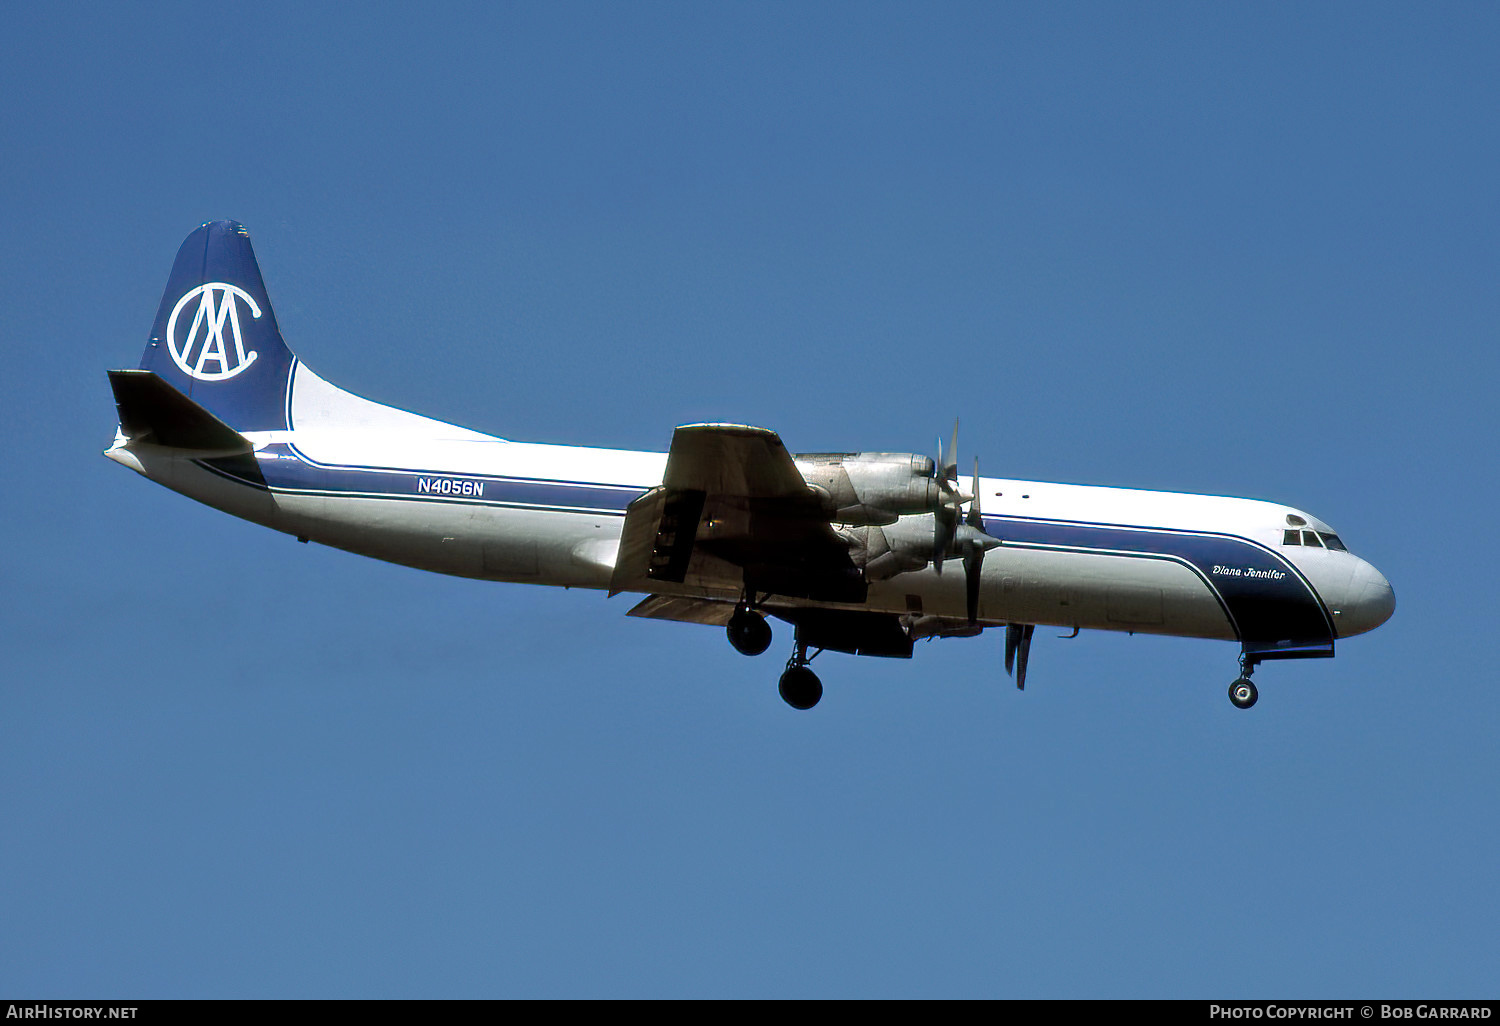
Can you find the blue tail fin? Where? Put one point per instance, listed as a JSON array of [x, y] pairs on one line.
[[215, 338]]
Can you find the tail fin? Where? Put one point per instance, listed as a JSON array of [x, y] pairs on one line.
[[215, 339]]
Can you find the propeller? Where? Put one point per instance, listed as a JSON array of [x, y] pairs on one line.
[[946, 515], [1018, 649], [973, 542], [968, 538]]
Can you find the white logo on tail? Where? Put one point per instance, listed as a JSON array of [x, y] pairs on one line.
[[212, 360]]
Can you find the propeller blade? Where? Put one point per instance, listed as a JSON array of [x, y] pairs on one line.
[[1023, 656], [1018, 650], [974, 519], [973, 563], [944, 530]]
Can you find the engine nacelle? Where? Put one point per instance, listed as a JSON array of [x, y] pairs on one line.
[[871, 488], [882, 552]]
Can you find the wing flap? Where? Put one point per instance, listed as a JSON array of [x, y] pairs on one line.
[[637, 541], [684, 609]]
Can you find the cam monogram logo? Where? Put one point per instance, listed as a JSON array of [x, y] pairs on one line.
[[203, 353]]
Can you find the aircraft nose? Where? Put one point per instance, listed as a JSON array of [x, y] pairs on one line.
[[1370, 601]]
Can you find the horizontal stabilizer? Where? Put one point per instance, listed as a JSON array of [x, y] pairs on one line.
[[153, 411]]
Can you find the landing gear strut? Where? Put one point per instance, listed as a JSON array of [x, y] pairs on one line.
[[1242, 692], [800, 687]]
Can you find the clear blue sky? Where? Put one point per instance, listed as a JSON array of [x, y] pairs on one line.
[[1239, 249]]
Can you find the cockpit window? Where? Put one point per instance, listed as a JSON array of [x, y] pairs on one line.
[[1313, 539]]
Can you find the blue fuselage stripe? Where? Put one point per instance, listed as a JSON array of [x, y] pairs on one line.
[[1267, 600]]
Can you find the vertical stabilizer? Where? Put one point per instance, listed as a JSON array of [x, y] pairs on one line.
[[215, 338]]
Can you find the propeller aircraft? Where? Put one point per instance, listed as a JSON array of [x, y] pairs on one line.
[[863, 553]]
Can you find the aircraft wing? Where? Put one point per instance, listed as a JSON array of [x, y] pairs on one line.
[[733, 511]]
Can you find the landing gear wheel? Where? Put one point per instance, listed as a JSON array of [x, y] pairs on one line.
[[748, 632], [1242, 693], [800, 687]]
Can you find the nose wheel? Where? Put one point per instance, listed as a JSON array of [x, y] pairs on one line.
[[1242, 692]]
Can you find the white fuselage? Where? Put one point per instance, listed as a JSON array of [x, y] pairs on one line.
[[395, 486]]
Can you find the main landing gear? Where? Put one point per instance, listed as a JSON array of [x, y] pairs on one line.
[[1242, 692], [748, 631], [750, 635], [800, 688]]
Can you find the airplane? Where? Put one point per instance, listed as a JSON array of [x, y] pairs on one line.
[[860, 552]]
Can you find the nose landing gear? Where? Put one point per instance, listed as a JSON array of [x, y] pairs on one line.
[[1242, 692]]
